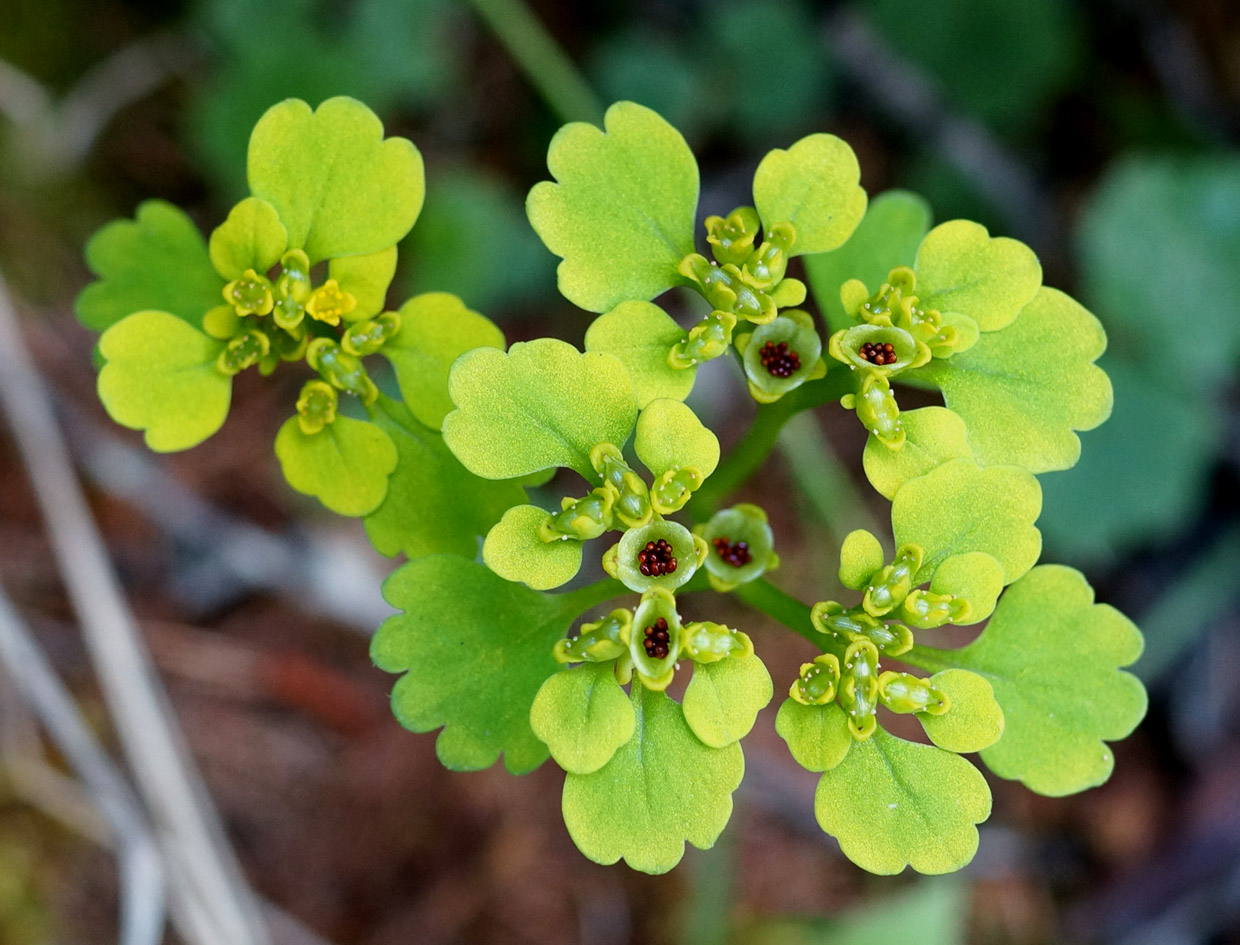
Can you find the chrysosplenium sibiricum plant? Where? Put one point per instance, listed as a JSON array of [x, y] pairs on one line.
[[487, 649]]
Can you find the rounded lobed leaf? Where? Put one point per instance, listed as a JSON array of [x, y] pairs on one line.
[[543, 404], [974, 720], [932, 436], [959, 507], [861, 555], [158, 262], [723, 699], [514, 551], [659, 790], [1024, 390], [435, 329], [961, 268], [815, 186], [669, 434], [639, 335], [583, 715], [340, 187], [817, 735], [975, 576], [892, 803], [621, 213], [345, 465], [251, 238], [474, 650], [366, 278], [160, 377]]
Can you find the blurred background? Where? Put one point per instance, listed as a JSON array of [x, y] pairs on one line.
[[1102, 133]]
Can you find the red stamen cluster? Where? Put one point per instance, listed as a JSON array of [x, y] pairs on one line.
[[656, 559], [778, 360], [879, 354], [658, 640], [736, 555]]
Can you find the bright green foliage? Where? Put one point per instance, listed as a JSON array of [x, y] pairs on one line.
[[543, 404], [474, 650], [621, 211], [363, 200], [861, 556], [345, 465], [892, 803], [975, 576], [1023, 390], [366, 278], [160, 377], [251, 238], [433, 503], [741, 546], [724, 698], [584, 716], [814, 186], [640, 334], [932, 436], [960, 507], [659, 790], [514, 551], [894, 225], [157, 262], [974, 721], [817, 735], [669, 435], [1051, 655], [435, 329]]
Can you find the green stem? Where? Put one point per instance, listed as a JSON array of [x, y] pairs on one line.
[[930, 659], [751, 452], [582, 599], [542, 60], [764, 596], [823, 479]]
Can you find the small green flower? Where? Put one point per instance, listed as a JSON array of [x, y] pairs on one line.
[[662, 554], [598, 642], [631, 498], [583, 519], [654, 639], [817, 681], [781, 356], [905, 693], [882, 348], [316, 407], [731, 240], [741, 546], [706, 642], [877, 409]]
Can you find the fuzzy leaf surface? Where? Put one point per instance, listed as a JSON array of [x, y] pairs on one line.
[[160, 377], [723, 699], [366, 278], [892, 803], [932, 436], [670, 434], [340, 187], [817, 735], [345, 465], [1052, 656], [543, 404], [474, 650], [815, 186], [251, 238], [621, 212], [158, 261], [640, 334], [974, 720], [584, 716], [659, 790], [514, 551]]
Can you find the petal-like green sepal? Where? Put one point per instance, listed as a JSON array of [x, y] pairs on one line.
[[905, 693], [582, 519], [764, 268], [342, 370], [853, 624], [158, 261], [741, 546], [731, 238], [814, 185], [817, 682], [782, 355], [861, 557], [888, 587], [602, 641], [926, 610], [366, 278], [662, 554], [817, 735], [1052, 656], [877, 409], [435, 329], [640, 335], [1023, 391], [474, 650], [858, 692], [707, 642], [658, 791], [243, 351], [961, 268], [329, 303], [161, 377], [973, 722], [345, 465], [630, 497], [541, 405], [674, 487], [892, 803], [340, 187], [250, 294], [621, 213], [654, 642], [723, 698], [932, 436], [316, 406], [514, 550], [725, 288], [433, 503], [251, 238], [882, 348], [669, 435], [894, 225], [710, 338], [960, 507], [584, 716], [292, 290], [367, 337]]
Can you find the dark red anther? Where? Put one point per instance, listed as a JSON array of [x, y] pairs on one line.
[[778, 360], [656, 559], [880, 354], [736, 554], [658, 640]]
